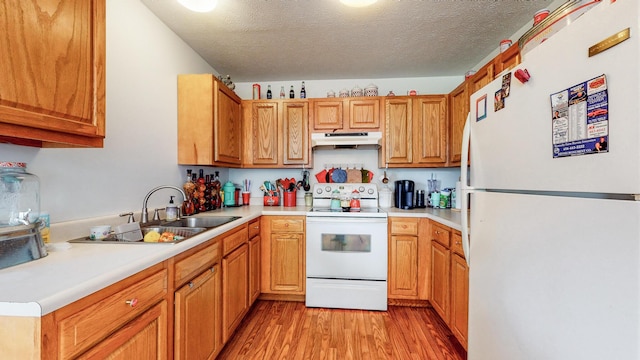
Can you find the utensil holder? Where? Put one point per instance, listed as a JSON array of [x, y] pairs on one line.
[[271, 199], [289, 198]]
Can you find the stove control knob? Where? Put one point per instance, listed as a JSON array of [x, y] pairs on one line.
[[370, 191], [361, 189], [327, 189], [318, 191]]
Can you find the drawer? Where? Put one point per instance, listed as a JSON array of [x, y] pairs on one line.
[[287, 225], [254, 228], [404, 226], [456, 243], [232, 240], [440, 234], [190, 266], [88, 326]]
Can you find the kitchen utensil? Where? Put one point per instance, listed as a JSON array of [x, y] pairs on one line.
[[385, 179], [305, 180]]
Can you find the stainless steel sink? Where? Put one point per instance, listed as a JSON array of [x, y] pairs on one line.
[[181, 232], [208, 222]]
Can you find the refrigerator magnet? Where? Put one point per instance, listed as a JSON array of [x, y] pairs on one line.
[[506, 84], [481, 108], [499, 101]]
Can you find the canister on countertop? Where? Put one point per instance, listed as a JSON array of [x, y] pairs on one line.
[[384, 197], [420, 199]]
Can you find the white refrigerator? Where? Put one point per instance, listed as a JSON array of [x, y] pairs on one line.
[[553, 242]]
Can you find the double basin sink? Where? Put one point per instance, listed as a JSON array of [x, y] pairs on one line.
[[183, 229]]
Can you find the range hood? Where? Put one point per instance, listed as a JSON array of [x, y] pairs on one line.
[[357, 140]]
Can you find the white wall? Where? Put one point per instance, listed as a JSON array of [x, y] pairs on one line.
[[143, 59]]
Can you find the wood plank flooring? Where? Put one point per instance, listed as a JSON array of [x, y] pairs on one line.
[[289, 330]]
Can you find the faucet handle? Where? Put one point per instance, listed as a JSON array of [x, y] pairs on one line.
[[156, 215], [131, 219]]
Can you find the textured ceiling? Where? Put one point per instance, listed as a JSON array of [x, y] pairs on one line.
[[262, 40]]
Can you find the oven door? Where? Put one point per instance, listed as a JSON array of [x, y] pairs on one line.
[[347, 248]]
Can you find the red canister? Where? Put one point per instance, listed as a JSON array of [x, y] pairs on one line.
[[539, 16]]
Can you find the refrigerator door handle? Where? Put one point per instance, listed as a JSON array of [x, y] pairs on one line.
[[466, 189]]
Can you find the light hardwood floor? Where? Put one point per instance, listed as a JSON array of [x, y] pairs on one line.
[[289, 330]]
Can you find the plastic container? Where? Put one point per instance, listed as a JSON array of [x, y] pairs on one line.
[[229, 193], [385, 196], [505, 44], [19, 195]]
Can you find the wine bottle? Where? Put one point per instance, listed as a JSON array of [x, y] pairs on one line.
[[281, 92], [268, 91], [292, 94], [303, 92]]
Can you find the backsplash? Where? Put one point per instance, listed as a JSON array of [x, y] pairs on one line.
[[345, 158]]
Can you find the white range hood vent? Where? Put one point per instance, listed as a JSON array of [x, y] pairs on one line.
[[358, 140]]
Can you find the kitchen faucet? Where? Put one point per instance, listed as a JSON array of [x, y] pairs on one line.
[[145, 214]]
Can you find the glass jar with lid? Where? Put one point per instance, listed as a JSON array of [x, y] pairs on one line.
[[19, 195]]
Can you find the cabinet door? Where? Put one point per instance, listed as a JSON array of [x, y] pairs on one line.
[[52, 83], [235, 289], [459, 108], [403, 266], [287, 262], [508, 59], [482, 77], [430, 130], [327, 114], [364, 114], [145, 337], [459, 298], [398, 124], [228, 127], [295, 122], [254, 269], [440, 279], [264, 137], [198, 317]]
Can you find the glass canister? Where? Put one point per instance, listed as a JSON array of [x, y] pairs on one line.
[[19, 195]]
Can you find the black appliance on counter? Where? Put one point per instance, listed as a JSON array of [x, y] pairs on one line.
[[404, 194]]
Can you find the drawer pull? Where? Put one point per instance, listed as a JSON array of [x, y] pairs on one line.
[[286, 225], [437, 232], [213, 270], [132, 303], [191, 284]]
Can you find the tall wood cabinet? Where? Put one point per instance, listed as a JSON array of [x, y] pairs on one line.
[[440, 260], [209, 122], [276, 133], [283, 256], [52, 83], [459, 290], [416, 131]]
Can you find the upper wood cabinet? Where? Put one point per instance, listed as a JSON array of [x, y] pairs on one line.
[[52, 76], [276, 133], [481, 78], [209, 122], [459, 108], [415, 131], [345, 114], [508, 59]]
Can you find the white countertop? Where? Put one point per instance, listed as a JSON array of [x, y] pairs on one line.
[[42, 286]]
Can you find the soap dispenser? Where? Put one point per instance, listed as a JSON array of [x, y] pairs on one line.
[[172, 210]]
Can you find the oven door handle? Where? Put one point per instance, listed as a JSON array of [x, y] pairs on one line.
[[342, 220]]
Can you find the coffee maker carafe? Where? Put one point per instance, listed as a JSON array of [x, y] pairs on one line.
[[404, 194]]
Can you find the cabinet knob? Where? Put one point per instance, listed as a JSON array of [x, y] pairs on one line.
[[286, 225], [190, 284], [213, 270], [132, 303]]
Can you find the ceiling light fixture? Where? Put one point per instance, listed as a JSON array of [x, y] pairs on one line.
[[199, 5], [358, 3]]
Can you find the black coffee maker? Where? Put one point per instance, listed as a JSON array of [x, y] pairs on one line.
[[404, 194]]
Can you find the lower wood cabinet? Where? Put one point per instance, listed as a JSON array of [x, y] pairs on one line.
[[235, 281], [440, 279], [254, 260], [408, 259], [459, 291], [126, 320], [283, 255], [143, 338], [198, 317]]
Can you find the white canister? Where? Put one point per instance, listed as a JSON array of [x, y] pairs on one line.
[[505, 44], [384, 197]]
